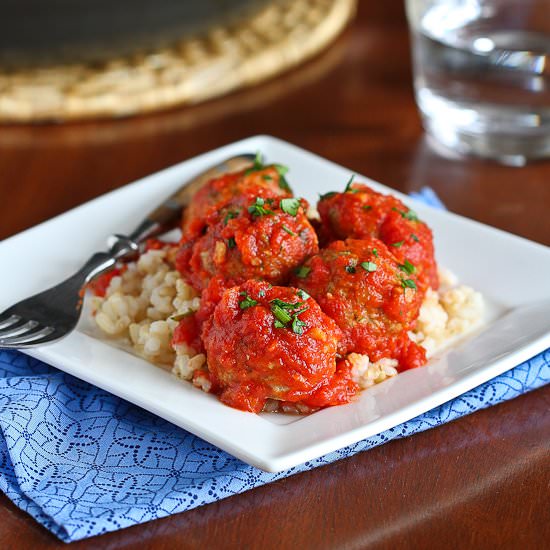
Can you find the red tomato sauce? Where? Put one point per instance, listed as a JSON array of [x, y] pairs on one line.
[[363, 290], [361, 212], [218, 192], [100, 284], [249, 238], [359, 284], [254, 356]]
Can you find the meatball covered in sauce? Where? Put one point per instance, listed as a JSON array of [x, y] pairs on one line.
[[249, 238], [265, 182], [265, 342], [361, 212], [373, 298]]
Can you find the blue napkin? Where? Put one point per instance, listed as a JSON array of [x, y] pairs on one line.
[[83, 462]]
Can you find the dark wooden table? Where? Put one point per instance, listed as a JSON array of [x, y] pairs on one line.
[[479, 482]]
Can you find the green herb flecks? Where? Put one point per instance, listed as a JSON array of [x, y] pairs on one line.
[[181, 316], [281, 314], [366, 207], [297, 324], [415, 238], [375, 252], [350, 269], [327, 195], [302, 272], [289, 231], [258, 164], [408, 283], [303, 294], [286, 313], [349, 188], [398, 244], [407, 267], [257, 208], [282, 171], [290, 206], [369, 267], [231, 243], [230, 215], [267, 177], [258, 161], [407, 214], [247, 301]]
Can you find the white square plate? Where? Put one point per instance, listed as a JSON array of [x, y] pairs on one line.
[[513, 274]]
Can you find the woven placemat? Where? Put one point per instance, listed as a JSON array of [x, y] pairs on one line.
[[278, 37]]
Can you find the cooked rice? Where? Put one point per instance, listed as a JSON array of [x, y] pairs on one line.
[[141, 303], [366, 374]]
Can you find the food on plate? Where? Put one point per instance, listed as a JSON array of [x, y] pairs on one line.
[[246, 305], [267, 182], [360, 212], [374, 299], [269, 342], [248, 237]]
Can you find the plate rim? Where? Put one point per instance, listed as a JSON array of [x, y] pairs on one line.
[[271, 460]]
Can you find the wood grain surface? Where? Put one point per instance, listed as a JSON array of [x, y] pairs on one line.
[[479, 482]]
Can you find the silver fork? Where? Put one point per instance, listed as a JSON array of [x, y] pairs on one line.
[[50, 315]]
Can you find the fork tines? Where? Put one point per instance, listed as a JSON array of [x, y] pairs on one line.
[[16, 331]]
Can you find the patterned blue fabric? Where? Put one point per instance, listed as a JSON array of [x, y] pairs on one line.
[[83, 462]]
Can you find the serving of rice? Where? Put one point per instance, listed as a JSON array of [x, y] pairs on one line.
[[142, 306]]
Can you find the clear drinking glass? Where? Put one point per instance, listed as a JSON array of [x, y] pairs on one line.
[[482, 75]]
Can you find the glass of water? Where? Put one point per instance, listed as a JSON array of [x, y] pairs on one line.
[[482, 75]]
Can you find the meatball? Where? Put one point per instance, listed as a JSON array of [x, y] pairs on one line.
[[249, 238], [339, 390], [372, 297], [360, 212], [265, 182], [268, 342]]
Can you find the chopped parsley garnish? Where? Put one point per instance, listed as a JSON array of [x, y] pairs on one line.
[[258, 161], [407, 267], [290, 206], [375, 252], [286, 305], [230, 215], [303, 294], [303, 271], [408, 283], [297, 324], [327, 195], [258, 164], [257, 208], [282, 170], [348, 188], [369, 266], [289, 231], [261, 293], [285, 313], [247, 301], [366, 207], [407, 214], [415, 238], [397, 244], [231, 242], [280, 313], [350, 269], [181, 316]]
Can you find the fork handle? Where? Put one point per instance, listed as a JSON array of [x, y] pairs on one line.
[[121, 247]]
